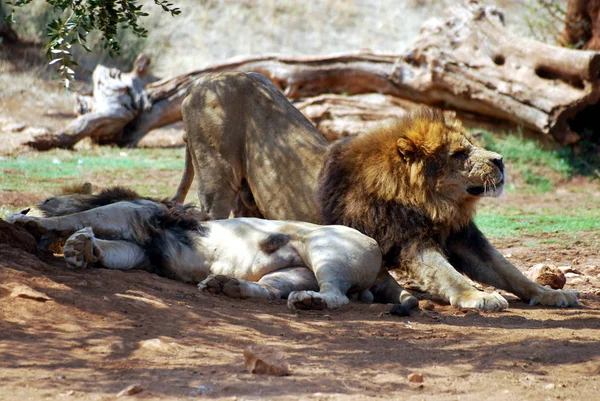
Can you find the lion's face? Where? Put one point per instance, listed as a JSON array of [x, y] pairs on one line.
[[69, 201], [467, 169], [450, 162]]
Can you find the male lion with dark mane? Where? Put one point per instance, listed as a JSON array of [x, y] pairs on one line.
[[412, 186], [312, 266]]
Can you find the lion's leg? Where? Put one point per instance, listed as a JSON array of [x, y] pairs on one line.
[[217, 186], [387, 291], [471, 253], [437, 276], [341, 259], [274, 285], [83, 248], [119, 220], [186, 179]]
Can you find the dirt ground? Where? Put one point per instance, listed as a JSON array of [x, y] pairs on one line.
[[89, 334]]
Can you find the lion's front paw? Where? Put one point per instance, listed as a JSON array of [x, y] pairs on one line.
[[222, 285], [560, 298], [307, 300], [80, 249], [29, 223], [482, 300]]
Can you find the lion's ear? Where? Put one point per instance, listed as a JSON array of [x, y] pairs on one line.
[[86, 188], [449, 115], [451, 120], [406, 148]]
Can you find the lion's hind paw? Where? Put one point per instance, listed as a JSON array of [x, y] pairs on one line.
[[221, 285], [560, 298], [306, 300], [80, 249]]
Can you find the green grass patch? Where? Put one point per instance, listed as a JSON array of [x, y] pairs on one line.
[[539, 168], [527, 153], [505, 226], [33, 172]]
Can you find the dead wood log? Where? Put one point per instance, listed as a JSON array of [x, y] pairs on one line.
[[473, 63], [468, 62], [118, 98], [337, 116]]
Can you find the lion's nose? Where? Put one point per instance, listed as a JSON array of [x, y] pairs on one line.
[[499, 163]]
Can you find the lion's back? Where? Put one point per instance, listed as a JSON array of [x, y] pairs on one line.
[[242, 121]]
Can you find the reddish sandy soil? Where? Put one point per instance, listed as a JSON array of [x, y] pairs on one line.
[[100, 331]]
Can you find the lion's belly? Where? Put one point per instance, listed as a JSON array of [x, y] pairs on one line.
[[234, 248], [254, 267]]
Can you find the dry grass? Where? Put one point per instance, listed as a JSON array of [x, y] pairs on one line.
[[214, 30], [221, 29], [210, 31]]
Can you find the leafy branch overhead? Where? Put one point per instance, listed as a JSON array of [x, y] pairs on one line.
[[77, 18]]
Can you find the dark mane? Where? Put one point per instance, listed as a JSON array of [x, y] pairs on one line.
[[383, 183], [383, 220], [174, 226], [112, 195]]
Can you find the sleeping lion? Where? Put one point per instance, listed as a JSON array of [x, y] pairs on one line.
[[413, 186], [313, 266]]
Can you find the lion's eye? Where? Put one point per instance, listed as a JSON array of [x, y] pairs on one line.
[[460, 155]]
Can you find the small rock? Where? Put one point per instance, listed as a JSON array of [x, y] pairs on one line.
[[569, 269], [204, 389], [546, 274], [472, 312], [428, 305], [23, 291], [265, 360], [160, 346], [131, 390], [549, 386], [415, 378]]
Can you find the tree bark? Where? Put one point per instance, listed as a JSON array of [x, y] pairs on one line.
[[468, 62], [582, 25], [118, 99], [337, 116]]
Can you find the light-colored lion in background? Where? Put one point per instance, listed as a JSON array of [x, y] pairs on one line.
[[243, 136], [412, 186], [312, 266]]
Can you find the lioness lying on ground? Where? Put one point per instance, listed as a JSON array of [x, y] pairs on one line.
[[241, 258], [412, 186]]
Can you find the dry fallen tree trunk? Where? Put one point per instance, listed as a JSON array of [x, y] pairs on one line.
[[118, 98], [471, 62], [337, 116], [467, 62]]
